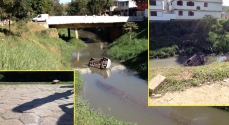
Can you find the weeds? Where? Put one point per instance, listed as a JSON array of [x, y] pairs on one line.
[[200, 75], [85, 116], [132, 53]]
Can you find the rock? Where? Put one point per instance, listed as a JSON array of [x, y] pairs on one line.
[[55, 81], [157, 95], [156, 82], [226, 80]]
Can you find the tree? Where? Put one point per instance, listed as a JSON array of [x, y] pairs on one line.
[[77, 7], [129, 26], [14, 8], [58, 9], [99, 6], [42, 6]]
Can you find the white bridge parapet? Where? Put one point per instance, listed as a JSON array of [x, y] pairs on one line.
[[91, 19]]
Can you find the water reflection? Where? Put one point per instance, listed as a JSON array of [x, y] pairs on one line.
[[103, 72], [82, 55]]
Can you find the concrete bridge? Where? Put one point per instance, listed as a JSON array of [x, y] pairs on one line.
[[115, 23]]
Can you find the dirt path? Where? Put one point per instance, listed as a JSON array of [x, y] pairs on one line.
[[208, 94], [36, 104]]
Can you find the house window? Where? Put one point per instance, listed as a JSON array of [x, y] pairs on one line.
[[153, 13], [190, 3], [198, 8], [121, 3], [153, 2], [190, 13], [180, 3], [180, 13], [205, 4]]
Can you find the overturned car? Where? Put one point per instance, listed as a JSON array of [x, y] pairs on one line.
[[195, 60], [101, 63]]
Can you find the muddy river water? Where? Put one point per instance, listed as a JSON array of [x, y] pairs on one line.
[[119, 93]]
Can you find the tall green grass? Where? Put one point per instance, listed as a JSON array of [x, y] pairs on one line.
[[21, 54], [132, 52], [85, 116]]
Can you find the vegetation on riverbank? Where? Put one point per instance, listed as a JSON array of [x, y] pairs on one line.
[[85, 116], [187, 37], [33, 47], [132, 52], [180, 78]]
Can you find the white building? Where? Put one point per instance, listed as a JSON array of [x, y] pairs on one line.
[[184, 9], [159, 10], [123, 6]]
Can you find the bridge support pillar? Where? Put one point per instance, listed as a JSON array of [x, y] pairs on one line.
[[76, 33], [69, 34]]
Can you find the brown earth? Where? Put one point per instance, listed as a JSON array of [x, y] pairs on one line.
[[207, 94]]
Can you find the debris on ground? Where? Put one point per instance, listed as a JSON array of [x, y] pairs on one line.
[[155, 83]]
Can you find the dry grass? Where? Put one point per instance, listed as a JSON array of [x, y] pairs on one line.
[[35, 27]]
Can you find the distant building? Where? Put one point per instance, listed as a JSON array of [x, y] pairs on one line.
[[130, 7], [184, 9], [142, 6], [124, 7]]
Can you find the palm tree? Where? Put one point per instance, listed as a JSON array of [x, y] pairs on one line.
[[129, 26]]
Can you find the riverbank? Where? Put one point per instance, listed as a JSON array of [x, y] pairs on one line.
[[192, 85], [188, 37], [180, 78], [133, 53], [32, 47]]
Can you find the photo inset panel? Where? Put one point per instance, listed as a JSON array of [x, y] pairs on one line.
[[36, 97], [188, 52]]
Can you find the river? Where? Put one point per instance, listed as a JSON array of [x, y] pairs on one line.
[[119, 93]]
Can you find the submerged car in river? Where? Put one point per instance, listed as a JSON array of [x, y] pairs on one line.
[[195, 60], [101, 63]]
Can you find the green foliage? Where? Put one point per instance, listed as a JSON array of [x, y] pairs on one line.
[[207, 35], [42, 6], [83, 7], [34, 52], [78, 7], [129, 26], [77, 42], [164, 52], [21, 28], [133, 53], [86, 116]]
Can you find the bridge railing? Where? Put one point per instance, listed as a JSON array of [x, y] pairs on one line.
[[91, 19]]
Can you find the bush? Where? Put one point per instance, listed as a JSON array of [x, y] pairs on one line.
[[77, 42]]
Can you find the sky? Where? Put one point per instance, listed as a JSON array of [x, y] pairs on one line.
[[65, 1], [225, 2]]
